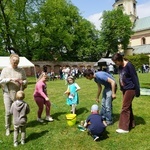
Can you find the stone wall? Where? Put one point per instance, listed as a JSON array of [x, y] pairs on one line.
[[54, 65]]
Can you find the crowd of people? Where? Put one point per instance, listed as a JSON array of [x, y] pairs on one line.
[[64, 72], [13, 80]]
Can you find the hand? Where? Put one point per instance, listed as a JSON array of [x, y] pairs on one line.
[[19, 81], [113, 96], [97, 100], [47, 99]]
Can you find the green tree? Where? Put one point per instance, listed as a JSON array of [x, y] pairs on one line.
[[116, 28], [47, 30], [138, 60], [62, 33], [16, 24]]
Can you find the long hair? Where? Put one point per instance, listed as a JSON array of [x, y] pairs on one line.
[[43, 74]]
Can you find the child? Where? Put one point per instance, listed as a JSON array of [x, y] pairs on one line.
[[94, 123], [73, 98], [41, 98], [19, 110]]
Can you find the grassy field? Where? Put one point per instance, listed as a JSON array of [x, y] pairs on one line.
[[58, 135]]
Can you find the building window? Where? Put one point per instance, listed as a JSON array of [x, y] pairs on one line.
[[143, 41], [120, 5], [134, 8]]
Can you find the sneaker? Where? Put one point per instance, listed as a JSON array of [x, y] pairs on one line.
[[22, 142], [49, 119], [122, 131], [81, 128], [15, 144], [96, 138], [40, 120], [7, 132]]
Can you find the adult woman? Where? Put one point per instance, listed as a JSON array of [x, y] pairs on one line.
[[13, 79], [129, 85], [41, 97]]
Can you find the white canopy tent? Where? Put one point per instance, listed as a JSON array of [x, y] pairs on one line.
[[24, 63], [104, 61]]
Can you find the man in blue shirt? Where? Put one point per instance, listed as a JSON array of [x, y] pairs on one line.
[[109, 92]]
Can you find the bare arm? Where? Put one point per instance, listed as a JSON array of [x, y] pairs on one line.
[[98, 92], [67, 91], [77, 86], [85, 124], [113, 85], [104, 122]]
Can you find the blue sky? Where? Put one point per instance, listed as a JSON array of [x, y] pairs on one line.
[[92, 9]]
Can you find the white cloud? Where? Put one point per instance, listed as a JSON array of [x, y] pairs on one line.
[[95, 19], [142, 11]]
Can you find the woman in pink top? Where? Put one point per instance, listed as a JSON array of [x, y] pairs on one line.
[[41, 97]]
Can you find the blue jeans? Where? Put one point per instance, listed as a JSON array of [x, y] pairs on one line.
[[106, 106]]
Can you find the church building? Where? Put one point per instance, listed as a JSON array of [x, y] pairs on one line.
[[140, 40]]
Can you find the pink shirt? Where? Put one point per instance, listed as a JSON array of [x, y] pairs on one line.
[[40, 90]]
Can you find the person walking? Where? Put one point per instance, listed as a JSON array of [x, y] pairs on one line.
[[19, 109], [129, 85], [109, 92], [13, 79], [41, 98]]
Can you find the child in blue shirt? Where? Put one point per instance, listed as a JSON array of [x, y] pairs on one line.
[[94, 123]]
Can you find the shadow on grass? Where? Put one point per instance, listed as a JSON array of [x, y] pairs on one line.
[[116, 117], [81, 110], [56, 115], [145, 85], [138, 120], [35, 123], [34, 136], [104, 135]]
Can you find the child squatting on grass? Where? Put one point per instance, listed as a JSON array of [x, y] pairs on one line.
[[72, 92], [19, 109], [94, 123]]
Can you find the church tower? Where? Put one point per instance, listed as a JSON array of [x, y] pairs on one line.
[[128, 7]]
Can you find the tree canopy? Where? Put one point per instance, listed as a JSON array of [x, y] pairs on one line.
[[46, 30], [116, 29], [55, 30]]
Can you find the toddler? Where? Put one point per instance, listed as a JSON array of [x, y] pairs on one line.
[[94, 123], [19, 110]]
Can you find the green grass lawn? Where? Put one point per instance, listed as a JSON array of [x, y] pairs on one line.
[[58, 135]]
